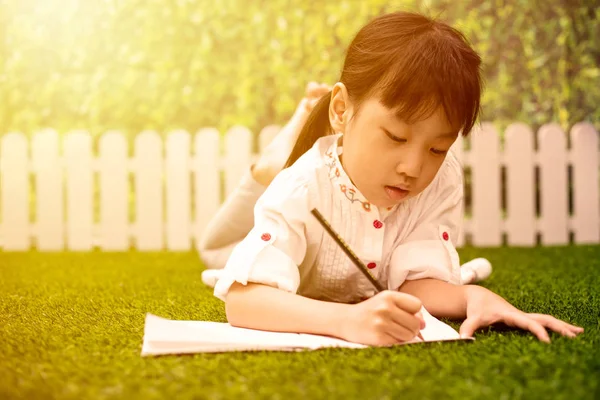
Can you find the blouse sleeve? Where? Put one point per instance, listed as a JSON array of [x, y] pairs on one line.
[[276, 245], [429, 249]]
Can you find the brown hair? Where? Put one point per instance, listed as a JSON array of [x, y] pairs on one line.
[[413, 64]]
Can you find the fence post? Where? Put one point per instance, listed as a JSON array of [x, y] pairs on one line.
[[14, 170], [79, 190], [49, 226], [584, 150], [485, 161], [114, 226], [177, 166], [207, 182], [520, 185], [148, 173], [554, 189]]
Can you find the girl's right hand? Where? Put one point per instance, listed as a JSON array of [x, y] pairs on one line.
[[385, 319]]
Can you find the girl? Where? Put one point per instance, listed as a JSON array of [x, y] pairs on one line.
[[235, 218], [374, 159]]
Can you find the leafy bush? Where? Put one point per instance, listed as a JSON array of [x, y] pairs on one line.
[[161, 65]]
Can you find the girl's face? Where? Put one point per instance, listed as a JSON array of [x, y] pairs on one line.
[[387, 159]]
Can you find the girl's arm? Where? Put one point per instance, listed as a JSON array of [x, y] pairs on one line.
[[481, 307], [264, 307], [441, 299], [385, 319]]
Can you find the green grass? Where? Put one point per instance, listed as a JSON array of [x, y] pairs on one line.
[[71, 326]]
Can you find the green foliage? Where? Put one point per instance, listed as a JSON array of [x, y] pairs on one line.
[[542, 58], [162, 65]]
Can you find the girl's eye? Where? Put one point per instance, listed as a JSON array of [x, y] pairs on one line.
[[439, 152], [394, 138]]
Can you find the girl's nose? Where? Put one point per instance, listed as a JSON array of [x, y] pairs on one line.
[[411, 165]]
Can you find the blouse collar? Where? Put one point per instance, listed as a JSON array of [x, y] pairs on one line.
[[344, 186]]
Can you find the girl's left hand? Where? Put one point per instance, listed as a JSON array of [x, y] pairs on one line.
[[485, 308]]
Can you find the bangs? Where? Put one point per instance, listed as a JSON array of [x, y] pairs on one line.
[[436, 70]]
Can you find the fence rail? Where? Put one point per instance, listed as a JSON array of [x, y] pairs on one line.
[[57, 194]]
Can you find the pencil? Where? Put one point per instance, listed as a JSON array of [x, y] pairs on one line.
[[361, 266], [347, 250]]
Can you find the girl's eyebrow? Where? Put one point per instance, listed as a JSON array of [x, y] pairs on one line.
[[448, 134], [444, 135]]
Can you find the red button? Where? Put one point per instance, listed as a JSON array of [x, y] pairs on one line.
[[377, 224], [371, 265], [445, 235], [266, 237]]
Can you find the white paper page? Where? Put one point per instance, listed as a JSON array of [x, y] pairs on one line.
[[164, 336], [436, 330]]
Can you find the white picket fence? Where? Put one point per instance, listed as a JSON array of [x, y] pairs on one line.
[[174, 191]]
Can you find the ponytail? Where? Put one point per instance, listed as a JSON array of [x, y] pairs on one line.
[[317, 125]]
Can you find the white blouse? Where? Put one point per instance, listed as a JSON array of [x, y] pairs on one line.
[[288, 248]]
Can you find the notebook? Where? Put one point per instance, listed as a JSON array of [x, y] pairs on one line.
[[165, 336]]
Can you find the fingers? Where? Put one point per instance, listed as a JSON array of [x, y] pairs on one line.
[[553, 324], [535, 323], [545, 317], [386, 339], [409, 321], [395, 314], [400, 332], [469, 326], [405, 301], [419, 316], [523, 321], [557, 325]]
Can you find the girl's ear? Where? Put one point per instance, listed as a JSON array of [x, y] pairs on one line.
[[339, 107]]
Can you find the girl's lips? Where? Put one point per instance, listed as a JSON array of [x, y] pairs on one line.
[[395, 193]]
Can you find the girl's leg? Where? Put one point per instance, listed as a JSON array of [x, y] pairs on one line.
[[276, 153], [475, 270], [235, 217]]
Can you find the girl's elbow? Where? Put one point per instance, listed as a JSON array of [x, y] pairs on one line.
[[232, 313], [234, 304]]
